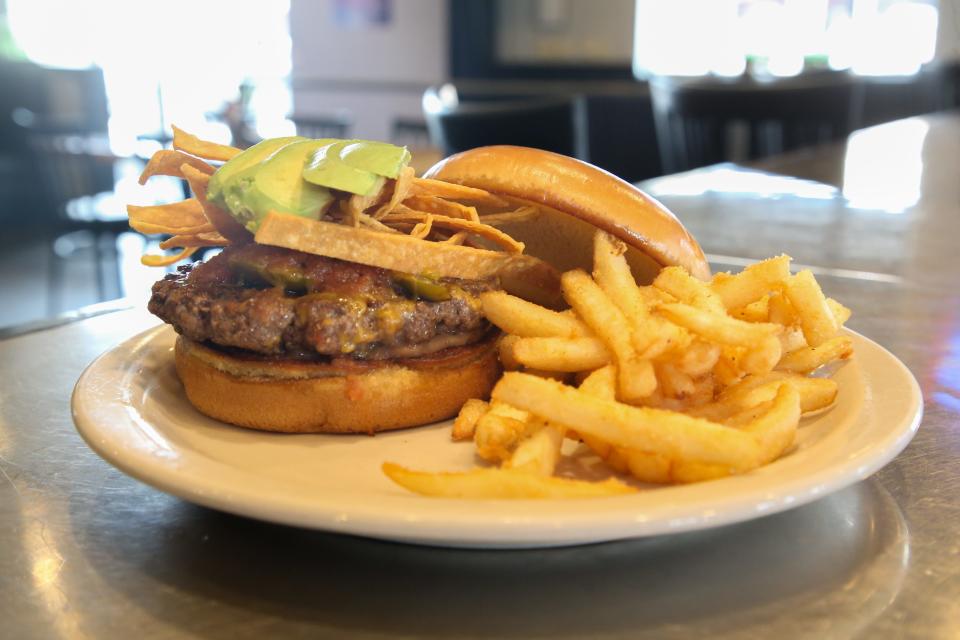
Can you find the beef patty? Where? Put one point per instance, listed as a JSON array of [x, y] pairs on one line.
[[280, 302]]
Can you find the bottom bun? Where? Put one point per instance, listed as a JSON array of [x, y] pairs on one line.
[[344, 396]]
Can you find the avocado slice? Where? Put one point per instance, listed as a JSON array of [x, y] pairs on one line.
[[325, 168], [243, 160], [381, 158], [275, 184]]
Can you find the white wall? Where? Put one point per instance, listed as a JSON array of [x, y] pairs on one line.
[[948, 30], [375, 72]]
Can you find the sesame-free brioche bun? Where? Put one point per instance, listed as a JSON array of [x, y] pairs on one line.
[[343, 396], [575, 199]]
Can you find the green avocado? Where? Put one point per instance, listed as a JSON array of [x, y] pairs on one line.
[[243, 160], [355, 166], [380, 158], [326, 169], [275, 184]]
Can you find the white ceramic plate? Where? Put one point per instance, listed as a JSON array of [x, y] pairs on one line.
[[130, 408]]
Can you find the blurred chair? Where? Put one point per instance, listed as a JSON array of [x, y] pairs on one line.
[[77, 183], [705, 121], [557, 125], [333, 126]]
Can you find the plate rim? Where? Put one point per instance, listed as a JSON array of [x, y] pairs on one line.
[[513, 528]]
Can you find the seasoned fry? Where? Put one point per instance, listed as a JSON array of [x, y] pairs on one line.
[[466, 422], [752, 283], [500, 484], [539, 453], [518, 317], [840, 313], [672, 434], [758, 311], [808, 359], [776, 429], [500, 429], [687, 289], [558, 354], [815, 393], [763, 356], [635, 376], [815, 315], [716, 327], [612, 273]]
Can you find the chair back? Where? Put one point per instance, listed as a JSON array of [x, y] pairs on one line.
[[333, 126], [701, 122], [553, 124]]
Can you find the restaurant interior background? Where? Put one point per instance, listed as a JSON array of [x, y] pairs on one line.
[[89, 96]]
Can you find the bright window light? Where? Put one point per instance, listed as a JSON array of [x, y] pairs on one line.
[[783, 37], [182, 55]]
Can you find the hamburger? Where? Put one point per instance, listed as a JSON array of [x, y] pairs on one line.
[[324, 314]]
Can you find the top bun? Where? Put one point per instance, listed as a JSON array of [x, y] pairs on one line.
[[576, 198]]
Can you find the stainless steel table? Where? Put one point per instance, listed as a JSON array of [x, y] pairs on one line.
[[88, 552]]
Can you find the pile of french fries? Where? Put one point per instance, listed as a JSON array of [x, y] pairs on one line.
[[680, 381]]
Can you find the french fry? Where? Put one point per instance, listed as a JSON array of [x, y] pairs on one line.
[[539, 453], [612, 273], [808, 359], [763, 356], [840, 313], [776, 429], [718, 328], [500, 484], [674, 383], [687, 289], [780, 311], [792, 339], [635, 376], [499, 430], [557, 354], [672, 434], [466, 422], [602, 383], [816, 317], [758, 311], [699, 358], [518, 317], [815, 393], [506, 347], [752, 283]]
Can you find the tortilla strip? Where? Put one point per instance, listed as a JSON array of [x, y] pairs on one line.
[[451, 191], [433, 204], [390, 251], [167, 162], [459, 224], [193, 145], [164, 261]]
